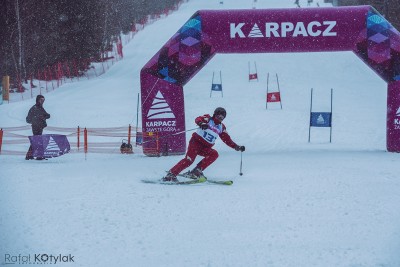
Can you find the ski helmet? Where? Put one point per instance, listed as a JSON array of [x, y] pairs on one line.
[[220, 111]]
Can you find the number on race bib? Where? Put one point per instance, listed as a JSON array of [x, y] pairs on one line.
[[209, 137]]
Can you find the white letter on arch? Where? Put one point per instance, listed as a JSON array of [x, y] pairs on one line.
[[271, 27], [237, 30]]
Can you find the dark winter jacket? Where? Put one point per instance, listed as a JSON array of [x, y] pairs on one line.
[[37, 116]]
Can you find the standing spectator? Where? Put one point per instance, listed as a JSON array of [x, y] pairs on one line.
[[37, 116]]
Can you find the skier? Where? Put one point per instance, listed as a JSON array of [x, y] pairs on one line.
[[37, 116], [201, 144]]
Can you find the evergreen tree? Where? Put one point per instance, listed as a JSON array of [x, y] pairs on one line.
[[40, 33]]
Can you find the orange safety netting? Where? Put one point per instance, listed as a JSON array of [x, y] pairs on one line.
[[15, 141]]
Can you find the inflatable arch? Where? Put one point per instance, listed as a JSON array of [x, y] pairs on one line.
[[360, 29]]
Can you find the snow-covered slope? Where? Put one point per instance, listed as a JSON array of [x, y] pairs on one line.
[[297, 204]]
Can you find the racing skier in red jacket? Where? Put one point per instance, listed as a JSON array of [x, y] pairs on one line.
[[201, 144]]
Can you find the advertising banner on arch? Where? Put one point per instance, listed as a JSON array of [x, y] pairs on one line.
[[282, 30], [393, 117], [160, 115], [360, 29]]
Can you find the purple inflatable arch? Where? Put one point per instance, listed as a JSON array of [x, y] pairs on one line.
[[359, 29]]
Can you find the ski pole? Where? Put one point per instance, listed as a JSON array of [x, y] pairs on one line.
[[241, 163], [165, 136]]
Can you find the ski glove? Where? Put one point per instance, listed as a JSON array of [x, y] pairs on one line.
[[203, 126], [240, 148]]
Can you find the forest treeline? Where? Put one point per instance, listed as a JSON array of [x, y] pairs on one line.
[[40, 33]]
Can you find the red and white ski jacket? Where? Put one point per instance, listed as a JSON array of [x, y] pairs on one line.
[[209, 136]]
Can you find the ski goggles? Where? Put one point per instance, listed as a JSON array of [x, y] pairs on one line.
[[220, 117]]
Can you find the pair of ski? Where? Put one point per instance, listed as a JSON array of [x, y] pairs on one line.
[[193, 180], [203, 179]]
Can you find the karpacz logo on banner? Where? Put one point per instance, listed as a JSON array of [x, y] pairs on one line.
[[160, 115], [396, 121], [37, 259], [161, 125], [283, 29], [49, 145]]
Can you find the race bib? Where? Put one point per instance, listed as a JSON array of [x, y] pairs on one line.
[[212, 133]]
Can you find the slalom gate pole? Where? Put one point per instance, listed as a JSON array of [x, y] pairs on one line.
[[309, 128], [241, 163], [137, 117], [279, 90], [249, 71], [1, 138], [78, 131], [212, 83], [165, 136], [330, 137], [220, 80], [266, 102], [255, 66]]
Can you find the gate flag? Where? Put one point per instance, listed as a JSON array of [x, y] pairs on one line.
[[253, 76], [321, 119], [49, 145], [216, 87], [253, 73], [274, 97]]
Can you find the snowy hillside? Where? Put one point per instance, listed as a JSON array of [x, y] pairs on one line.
[[298, 204]]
